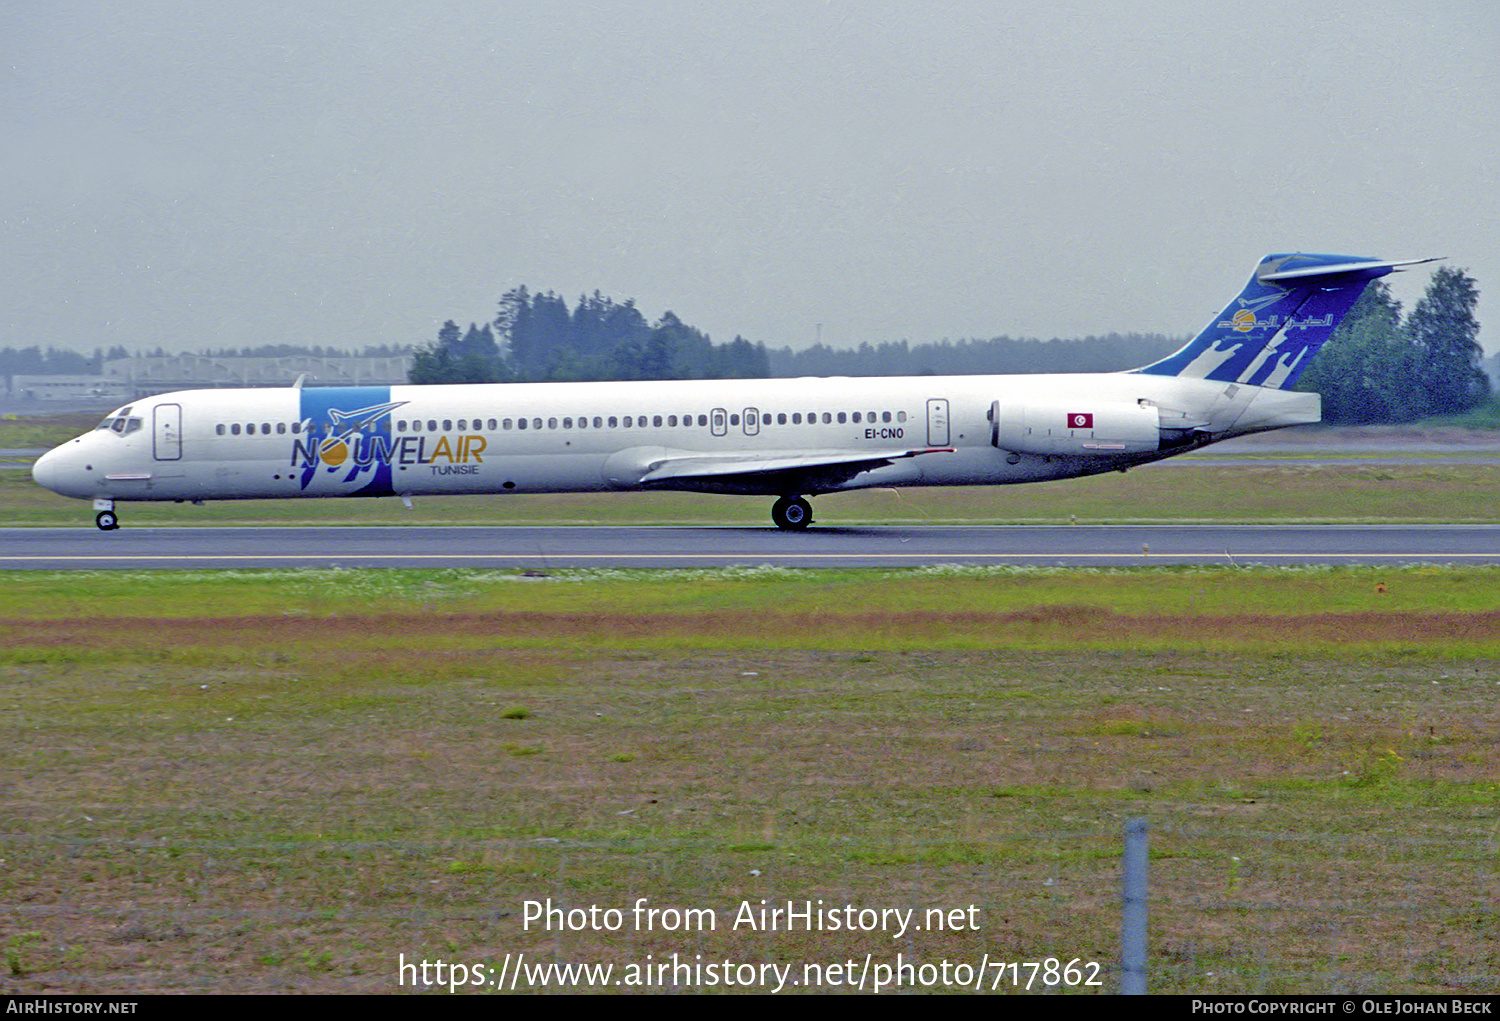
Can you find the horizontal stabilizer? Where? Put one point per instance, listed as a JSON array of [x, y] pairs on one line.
[[1368, 269]]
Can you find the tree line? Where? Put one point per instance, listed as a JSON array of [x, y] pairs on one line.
[[1379, 367], [54, 361], [537, 337], [304, 351]]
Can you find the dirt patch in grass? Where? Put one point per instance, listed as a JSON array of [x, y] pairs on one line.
[[357, 636]]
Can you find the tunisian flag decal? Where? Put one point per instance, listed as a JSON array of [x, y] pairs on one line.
[[1081, 420]]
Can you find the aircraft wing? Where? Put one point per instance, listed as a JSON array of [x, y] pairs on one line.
[[726, 467]]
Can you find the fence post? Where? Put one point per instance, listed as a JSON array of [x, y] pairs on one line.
[[1133, 910]]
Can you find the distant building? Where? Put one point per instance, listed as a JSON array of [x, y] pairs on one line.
[[143, 376], [69, 388]]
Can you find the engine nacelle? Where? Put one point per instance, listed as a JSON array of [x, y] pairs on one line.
[[1086, 427]]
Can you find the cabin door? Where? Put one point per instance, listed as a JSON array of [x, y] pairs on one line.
[[937, 422], [167, 440]]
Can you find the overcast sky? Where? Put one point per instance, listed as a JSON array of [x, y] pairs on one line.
[[194, 175]]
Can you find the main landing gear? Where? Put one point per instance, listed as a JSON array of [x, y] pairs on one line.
[[791, 513], [106, 519]]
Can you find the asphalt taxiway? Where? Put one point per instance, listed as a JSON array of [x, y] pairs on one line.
[[84, 548]]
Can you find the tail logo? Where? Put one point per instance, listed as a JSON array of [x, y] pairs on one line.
[[1243, 321]]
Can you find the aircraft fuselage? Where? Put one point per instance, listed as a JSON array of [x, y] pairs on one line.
[[589, 437]]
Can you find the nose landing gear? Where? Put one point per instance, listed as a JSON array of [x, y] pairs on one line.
[[106, 519], [791, 513]]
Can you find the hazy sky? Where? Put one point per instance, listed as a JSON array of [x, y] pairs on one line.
[[188, 174]]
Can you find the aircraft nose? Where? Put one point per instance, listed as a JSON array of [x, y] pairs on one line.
[[44, 471], [59, 470]]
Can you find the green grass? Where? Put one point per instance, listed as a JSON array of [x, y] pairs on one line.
[[43, 431], [865, 599], [287, 780], [1485, 416]]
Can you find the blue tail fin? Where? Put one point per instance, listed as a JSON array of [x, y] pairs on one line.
[[1269, 334]]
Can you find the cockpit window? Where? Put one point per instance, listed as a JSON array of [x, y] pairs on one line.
[[116, 419], [121, 422]]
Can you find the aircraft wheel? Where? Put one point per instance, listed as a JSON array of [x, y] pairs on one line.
[[792, 513], [106, 521]]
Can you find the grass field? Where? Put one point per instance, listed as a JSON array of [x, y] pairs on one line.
[[285, 781]]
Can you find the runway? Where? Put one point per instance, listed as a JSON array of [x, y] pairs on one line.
[[616, 547]]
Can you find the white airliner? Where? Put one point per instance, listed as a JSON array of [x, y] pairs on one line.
[[786, 438]]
